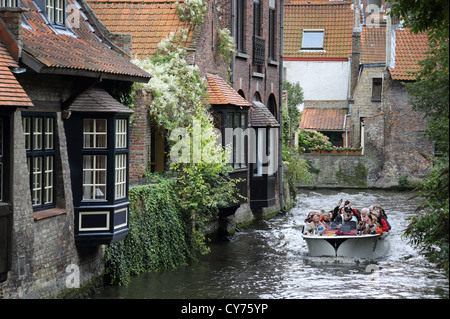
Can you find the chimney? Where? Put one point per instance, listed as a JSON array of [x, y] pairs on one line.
[[11, 29], [356, 44]]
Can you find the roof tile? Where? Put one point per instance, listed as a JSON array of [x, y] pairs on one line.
[[76, 49], [220, 93], [323, 119], [409, 50], [335, 17], [148, 21]]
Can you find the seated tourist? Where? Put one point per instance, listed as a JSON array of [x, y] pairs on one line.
[[311, 228]]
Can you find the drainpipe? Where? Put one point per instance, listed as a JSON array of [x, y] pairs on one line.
[[233, 18], [280, 140]]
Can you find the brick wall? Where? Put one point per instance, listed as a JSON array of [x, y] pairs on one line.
[[139, 138], [404, 130], [43, 246], [364, 106]]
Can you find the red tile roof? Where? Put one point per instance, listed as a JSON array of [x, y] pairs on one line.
[[11, 92], [373, 44], [148, 21], [335, 17], [220, 93], [78, 50], [323, 119], [409, 50]]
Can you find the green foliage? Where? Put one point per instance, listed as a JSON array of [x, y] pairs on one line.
[[159, 237], [431, 16], [291, 113], [296, 169], [429, 230], [310, 139], [403, 182]]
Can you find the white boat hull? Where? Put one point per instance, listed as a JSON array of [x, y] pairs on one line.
[[364, 246]]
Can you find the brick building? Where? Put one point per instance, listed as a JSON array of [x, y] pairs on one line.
[[64, 188]]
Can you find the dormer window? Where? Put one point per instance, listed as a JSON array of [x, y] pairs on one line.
[[9, 3], [313, 39], [55, 11]]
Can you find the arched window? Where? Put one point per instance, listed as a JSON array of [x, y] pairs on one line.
[[272, 106]]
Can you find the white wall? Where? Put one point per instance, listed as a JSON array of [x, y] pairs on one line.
[[320, 80]]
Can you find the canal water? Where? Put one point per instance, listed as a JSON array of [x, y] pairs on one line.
[[270, 260]]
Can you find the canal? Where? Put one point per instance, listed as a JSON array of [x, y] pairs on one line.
[[270, 260]]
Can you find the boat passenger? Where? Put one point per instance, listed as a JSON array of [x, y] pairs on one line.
[[309, 218], [355, 212], [326, 217], [366, 225], [373, 216], [311, 228], [383, 215]]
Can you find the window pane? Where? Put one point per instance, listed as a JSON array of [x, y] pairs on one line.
[[37, 133], [27, 132], [94, 133], [49, 130], [94, 177], [37, 181], [312, 39], [48, 198]]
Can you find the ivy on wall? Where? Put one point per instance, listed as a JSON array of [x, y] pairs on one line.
[[159, 236]]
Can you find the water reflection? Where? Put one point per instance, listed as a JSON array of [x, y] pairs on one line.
[[270, 260]]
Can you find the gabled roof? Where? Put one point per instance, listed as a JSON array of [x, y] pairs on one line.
[[220, 93], [409, 50], [323, 119], [76, 51], [11, 92], [373, 44], [335, 17], [148, 21]]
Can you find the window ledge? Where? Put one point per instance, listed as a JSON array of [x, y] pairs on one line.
[[273, 63], [242, 55], [43, 214], [258, 75]]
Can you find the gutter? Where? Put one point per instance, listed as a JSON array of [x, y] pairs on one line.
[[233, 18]]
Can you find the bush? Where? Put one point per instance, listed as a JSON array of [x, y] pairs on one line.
[[310, 139], [160, 235]]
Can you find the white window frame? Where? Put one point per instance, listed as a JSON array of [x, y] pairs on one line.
[[306, 46], [80, 219], [121, 133], [55, 10], [120, 187], [95, 135]]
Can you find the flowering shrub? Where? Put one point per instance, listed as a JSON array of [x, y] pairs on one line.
[[226, 45], [176, 88], [192, 10]]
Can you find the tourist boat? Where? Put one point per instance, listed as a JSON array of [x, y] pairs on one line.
[[332, 244]]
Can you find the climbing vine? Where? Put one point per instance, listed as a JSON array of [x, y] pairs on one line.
[[159, 236], [176, 88]]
